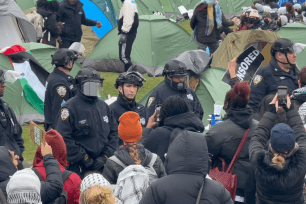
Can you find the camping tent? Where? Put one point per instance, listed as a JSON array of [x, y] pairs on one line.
[[235, 43], [15, 95], [158, 39], [296, 33], [15, 27], [26, 4], [210, 91], [232, 8]]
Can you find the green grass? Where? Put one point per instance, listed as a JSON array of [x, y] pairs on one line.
[[108, 88]]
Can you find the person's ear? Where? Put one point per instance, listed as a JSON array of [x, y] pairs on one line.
[[120, 89]]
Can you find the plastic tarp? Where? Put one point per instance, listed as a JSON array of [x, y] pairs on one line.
[[158, 39], [10, 8], [8, 32], [211, 90], [235, 43], [296, 33]]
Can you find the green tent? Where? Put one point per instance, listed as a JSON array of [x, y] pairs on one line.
[[14, 94], [107, 8], [26, 4], [296, 33], [158, 39], [232, 8], [210, 91]]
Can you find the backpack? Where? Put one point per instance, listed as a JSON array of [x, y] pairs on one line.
[[63, 197], [149, 168], [38, 22]]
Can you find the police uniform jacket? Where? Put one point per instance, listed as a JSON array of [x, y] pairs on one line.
[[267, 80], [161, 93], [121, 106], [60, 88], [10, 130], [88, 127]]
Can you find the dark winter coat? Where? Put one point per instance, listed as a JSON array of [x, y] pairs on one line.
[[199, 20], [272, 26], [50, 25], [158, 140], [73, 17], [256, 25], [224, 138], [272, 185], [7, 168], [187, 167], [111, 169]]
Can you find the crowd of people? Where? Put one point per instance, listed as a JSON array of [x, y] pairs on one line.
[[127, 153]]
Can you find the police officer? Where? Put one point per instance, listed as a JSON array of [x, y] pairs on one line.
[[281, 71], [88, 126], [176, 83], [10, 129], [128, 84], [60, 86]]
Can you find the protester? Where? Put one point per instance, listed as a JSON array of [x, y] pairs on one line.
[[282, 20], [270, 24], [48, 10], [281, 71], [95, 189], [206, 21], [259, 8], [174, 118], [274, 5], [254, 21], [290, 12], [127, 26], [176, 83], [25, 187], [128, 84], [187, 165], [60, 85], [224, 138], [279, 171], [72, 184], [132, 152], [88, 126], [71, 17], [10, 129]]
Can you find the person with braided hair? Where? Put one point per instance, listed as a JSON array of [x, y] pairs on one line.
[[131, 152], [224, 138]]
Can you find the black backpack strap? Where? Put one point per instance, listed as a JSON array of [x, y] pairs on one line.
[[65, 175], [38, 174]]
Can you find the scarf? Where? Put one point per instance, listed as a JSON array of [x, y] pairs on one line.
[[210, 16], [298, 92]]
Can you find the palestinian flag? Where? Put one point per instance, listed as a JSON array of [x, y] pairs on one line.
[[35, 76]]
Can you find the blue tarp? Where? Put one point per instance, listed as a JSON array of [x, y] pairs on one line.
[[298, 2]]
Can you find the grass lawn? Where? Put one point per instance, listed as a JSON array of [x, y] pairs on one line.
[[108, 88]]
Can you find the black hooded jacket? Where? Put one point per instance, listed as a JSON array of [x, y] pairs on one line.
[[73, 17], [274, 185], [50, 25], [187, 167], [111, 169], [158, 140], [224, 138]]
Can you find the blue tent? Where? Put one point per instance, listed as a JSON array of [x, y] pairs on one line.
[[298, 2]]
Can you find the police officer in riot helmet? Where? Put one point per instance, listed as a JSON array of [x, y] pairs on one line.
[[176, 83], [128, 84], [60, 85], [281, 71], [10, 129], [88, 126]]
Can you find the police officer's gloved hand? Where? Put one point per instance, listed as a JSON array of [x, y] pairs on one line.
[[88, 162], [99, 163], [122, 39]]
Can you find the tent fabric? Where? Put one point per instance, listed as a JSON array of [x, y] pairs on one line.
[[10, 33], [108, 9], [10, 8], [232, 8], [211, 90], [158, 39], [296, 33], [26, 4], [235, 43]]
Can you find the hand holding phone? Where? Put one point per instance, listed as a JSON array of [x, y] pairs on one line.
[[282, 95], [157, 115]]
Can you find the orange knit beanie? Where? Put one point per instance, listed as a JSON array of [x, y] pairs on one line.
[[130, 129]]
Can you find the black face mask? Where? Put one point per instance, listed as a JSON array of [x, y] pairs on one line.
[[266, 21], [252, 21]]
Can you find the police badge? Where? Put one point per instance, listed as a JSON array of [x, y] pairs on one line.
[[61, 90], [150, 101], [257, 79], [64, 114]]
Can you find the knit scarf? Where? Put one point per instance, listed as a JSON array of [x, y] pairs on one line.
[[19, 195], [298, 92], [210, 16]]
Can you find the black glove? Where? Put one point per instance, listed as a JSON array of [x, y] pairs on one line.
[[122, 39], [272, 108], [99, 163], [88, 162]]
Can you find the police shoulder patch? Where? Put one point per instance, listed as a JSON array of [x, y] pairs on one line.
[[150, 101], [64, 114], [257, 79], [61, 90]]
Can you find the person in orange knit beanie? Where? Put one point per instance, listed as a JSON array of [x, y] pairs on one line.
[[132, 152]]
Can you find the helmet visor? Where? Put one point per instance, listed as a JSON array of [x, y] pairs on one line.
[[91, 88], [77, 48], [10, 76], [298, 48], [181, 80]]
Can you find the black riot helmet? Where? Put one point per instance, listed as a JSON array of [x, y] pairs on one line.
[[62, 57], [89, 81], [132, 76], [175, 68]]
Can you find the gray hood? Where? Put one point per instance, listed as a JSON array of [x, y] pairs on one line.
[[188, 154], [284, 20]]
